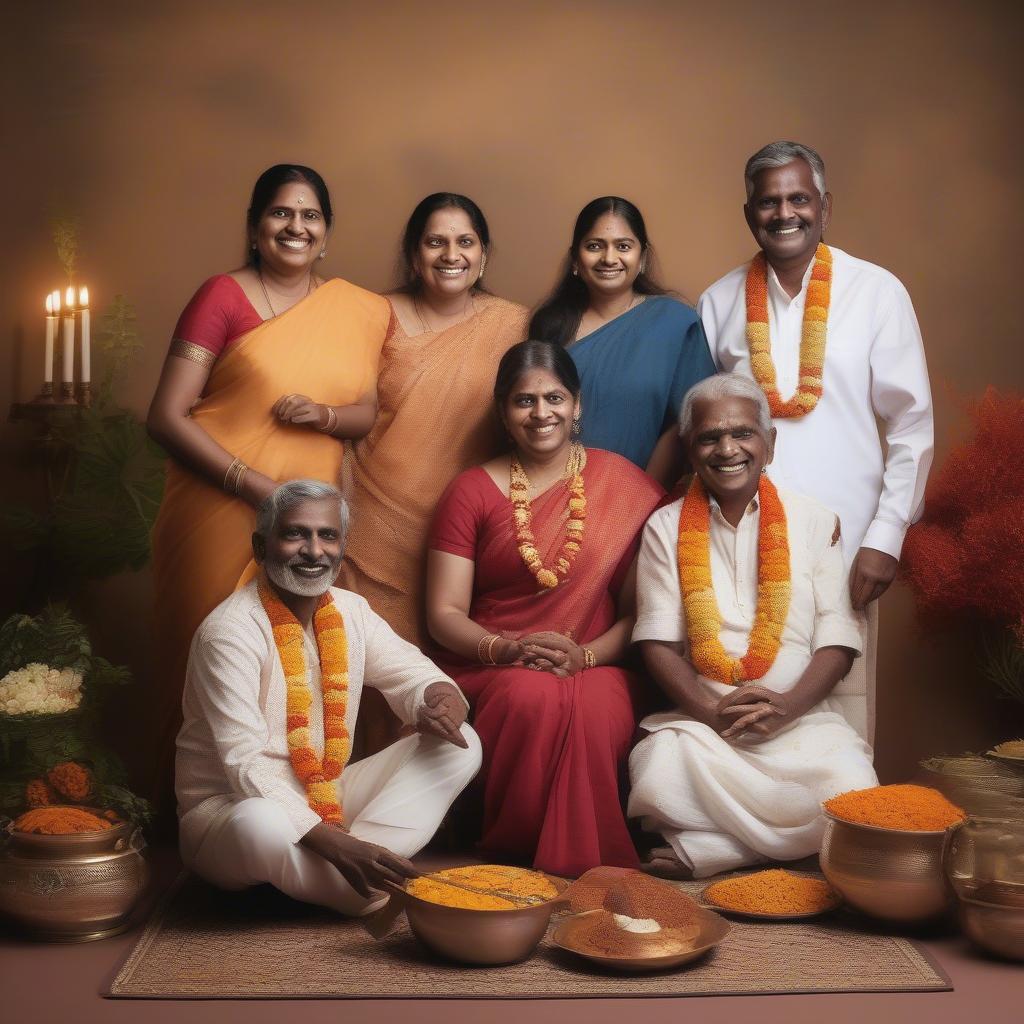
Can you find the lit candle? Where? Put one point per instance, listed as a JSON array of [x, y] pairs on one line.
[[51, 333], [68, 367], [83, 305]]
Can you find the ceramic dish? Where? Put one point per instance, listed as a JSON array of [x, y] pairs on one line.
[[712, 931]]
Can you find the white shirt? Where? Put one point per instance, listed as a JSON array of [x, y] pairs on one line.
[[233, 742], [820, 614], [874, 366]]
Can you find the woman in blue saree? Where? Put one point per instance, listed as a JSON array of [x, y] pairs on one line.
[[638, 350]]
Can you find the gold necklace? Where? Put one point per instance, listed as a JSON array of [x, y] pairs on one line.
[[470, 305], [310, 288]]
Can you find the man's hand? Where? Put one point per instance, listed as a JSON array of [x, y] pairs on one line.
[[755, 712], [870, 575], [442, 713], [365, 866]]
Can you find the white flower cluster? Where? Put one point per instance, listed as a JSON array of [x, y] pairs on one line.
[[40, 690]]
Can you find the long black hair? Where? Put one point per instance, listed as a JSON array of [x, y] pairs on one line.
[[417, 224], [558, 318], [267, 186]]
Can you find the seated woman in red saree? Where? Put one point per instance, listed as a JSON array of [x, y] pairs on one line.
[[530, 591]]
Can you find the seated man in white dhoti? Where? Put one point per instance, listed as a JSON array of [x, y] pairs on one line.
[[744, 620], [271, 698]]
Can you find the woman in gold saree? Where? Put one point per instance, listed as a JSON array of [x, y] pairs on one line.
[[435, 419], [231, 409]]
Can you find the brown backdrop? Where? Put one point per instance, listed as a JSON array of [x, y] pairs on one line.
[[150, 122]]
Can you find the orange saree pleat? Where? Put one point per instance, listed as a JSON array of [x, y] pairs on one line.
[[326, 347]]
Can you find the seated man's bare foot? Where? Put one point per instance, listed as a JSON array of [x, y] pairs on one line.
[[664, 863]]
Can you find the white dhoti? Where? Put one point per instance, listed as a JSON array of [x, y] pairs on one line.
[[396, 799], [722, 805]]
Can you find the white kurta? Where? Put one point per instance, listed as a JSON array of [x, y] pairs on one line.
[[242, 809], [874, 366], [720, 803]]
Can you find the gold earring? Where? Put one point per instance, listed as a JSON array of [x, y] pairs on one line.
[[323, 254], [483, 267]]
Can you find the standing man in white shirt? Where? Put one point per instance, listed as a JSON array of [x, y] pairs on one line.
[[834, 343], [265, 793]]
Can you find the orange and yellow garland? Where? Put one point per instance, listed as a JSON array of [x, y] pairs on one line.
[[703, 619], [519, 495], [317, 774], [812, 336]]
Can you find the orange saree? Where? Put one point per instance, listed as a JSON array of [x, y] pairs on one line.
[[435, 419], [326, 346]]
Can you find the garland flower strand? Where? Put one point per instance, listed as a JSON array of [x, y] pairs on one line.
[[317, 774], [703, 619], [812, 335], [519, 494]]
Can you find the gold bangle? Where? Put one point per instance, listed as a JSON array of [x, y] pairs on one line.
[[589, 658], [233, 477], [480, 648], [332, 421], [490, 648]]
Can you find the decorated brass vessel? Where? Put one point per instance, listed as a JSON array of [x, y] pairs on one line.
[[72, 888]]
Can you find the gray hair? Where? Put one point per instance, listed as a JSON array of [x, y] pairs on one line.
[[778, 154], [293, 493], [725, 385]]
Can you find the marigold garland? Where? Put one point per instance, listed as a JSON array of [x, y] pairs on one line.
[[317, 774], [812, 336], [703, 619], [519, 495]]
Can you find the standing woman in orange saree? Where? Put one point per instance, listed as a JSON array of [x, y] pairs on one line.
[[271, 369], [435, 420]]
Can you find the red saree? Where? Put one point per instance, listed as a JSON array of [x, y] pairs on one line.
[[553, 748]]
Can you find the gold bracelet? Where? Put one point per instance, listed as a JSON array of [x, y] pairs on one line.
[[490, 648], [233, 476], [332, 421], [480, 648], [589, 658]]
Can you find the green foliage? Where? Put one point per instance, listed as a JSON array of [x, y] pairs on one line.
[[1003, 662], [117, 339], [65, 238], [53, 638], [105, 500]]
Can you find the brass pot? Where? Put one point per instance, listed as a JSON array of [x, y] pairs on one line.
[[72, 888], [889, 874], [984, 861]]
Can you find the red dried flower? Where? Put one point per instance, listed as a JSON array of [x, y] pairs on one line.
[[39, 793], [71, 781]]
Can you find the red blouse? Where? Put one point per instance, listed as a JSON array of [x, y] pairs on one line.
[[217, 315]]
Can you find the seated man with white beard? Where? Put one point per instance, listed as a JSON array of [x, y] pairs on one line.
[[271, 698]]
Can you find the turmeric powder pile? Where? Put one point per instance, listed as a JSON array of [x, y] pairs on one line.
[[772, 892], [494, 882], [60, 821], [906, 807]]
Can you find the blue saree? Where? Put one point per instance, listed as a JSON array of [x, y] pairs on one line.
[[634, 372]]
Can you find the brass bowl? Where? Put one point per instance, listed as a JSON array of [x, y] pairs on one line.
[[479, 936], [713, 929], [890, 874], [993, 917]]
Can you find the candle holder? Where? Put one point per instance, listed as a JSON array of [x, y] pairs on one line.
[[67, 393], [45, 396], [85, 394]]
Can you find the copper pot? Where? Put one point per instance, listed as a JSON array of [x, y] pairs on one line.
[[72, 888], [887, 873]]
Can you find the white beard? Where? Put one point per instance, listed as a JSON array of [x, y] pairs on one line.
[[291, 582]]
